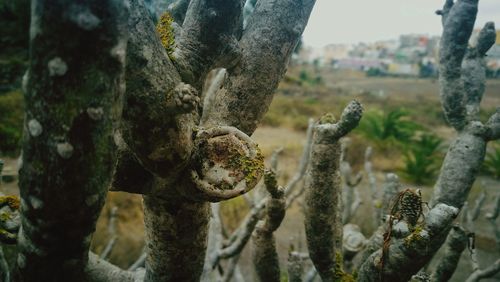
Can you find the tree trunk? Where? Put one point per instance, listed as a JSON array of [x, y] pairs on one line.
[[73, 98]]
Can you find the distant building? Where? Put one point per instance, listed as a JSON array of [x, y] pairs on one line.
[[403, 69], [361, 64], [409, 55], [335, 52]]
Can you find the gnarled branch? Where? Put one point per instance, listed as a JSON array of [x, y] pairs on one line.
[[265, 257], [209, 38], [267, 43], [323, 219], [457, 29], [405, 256]]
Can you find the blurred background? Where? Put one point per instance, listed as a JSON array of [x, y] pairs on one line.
[[381, 53]]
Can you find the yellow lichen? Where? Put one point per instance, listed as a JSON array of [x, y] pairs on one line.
[[252, 168], [11, 201], [166, 33], [415, 236], [4, 216], [7, 237], [327, 118], [340, 274]]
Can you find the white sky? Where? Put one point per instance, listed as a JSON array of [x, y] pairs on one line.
[[352, 21]]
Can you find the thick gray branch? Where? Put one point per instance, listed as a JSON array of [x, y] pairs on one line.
[[474, 70], [209, 38], [461, 164], [457, 29], [176, 235], [323, 217], [406, 256], [454, 246], [73, 102], [267, 43], [331, 132], [160, 111], [265, 256]]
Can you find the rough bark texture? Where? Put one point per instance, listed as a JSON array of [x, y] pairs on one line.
[[295, 267], [176, 235], [461, 86], [456, 33], [161, 112], [155, 126], [462, 81], [267, 43], [216, 250], [265, 256], [165, 153], [209, 38], [461, 165], [407, 255], [323, 218], [73, 102], [454, 246], [375, 242]]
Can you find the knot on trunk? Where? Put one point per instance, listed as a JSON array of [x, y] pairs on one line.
[[226, 163]]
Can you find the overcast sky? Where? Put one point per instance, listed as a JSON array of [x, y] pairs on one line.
[[352, 21]]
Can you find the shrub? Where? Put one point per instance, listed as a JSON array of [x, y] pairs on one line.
[[386, 129], [422, 160]]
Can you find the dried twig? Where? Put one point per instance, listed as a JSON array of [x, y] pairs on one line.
[[112, 231]]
